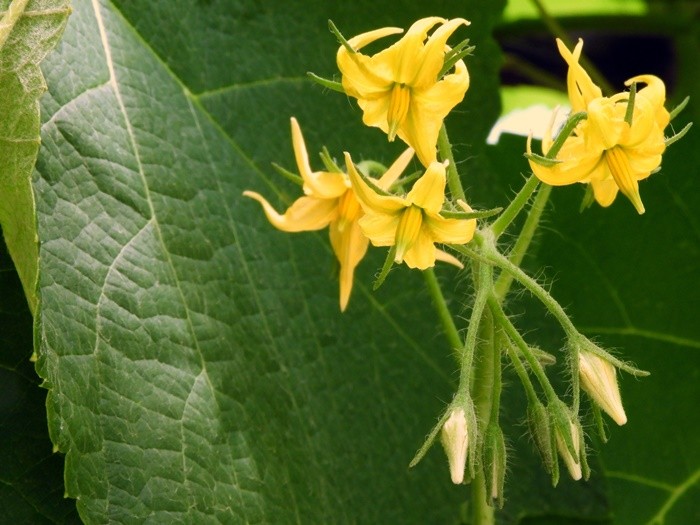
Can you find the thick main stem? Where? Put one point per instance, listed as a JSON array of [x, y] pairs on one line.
[[482, 394]]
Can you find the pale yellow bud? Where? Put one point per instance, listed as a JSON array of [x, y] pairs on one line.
[[573, 464], [454, 437], [599, 380]]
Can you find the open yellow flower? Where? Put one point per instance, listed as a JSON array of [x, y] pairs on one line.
[[398, 88], [413, 223], [329, 201], [606, 150]]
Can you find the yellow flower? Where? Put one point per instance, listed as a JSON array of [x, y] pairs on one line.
[[329, 201], [413, 223], [605, 150], [398, 88]]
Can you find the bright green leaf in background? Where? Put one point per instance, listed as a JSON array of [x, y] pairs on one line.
[[198, 369]]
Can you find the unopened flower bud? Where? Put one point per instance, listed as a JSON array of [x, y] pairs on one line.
[[599, 380], [538, 421], [494, 463], [454, 437], [568, 438]]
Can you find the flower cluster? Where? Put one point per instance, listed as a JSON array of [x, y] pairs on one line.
[[403, 92], [407, 90], [619, 143]]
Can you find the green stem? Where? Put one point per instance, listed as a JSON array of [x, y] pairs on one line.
[[502, 319], [498, 340], [516, 255], [482, 512], [453, 181], [556, 29], [496, 259], [482, 390], [448, 324], [522, 374], [515, 207], [483, 289]]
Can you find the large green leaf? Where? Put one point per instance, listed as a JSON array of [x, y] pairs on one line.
[[28, 31], [197, 366]]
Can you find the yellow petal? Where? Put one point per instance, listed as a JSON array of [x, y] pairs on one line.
[[410, 222], [450, 231], [621, 171], [361, 77], [581, 88], [643, 161], [371, 201], [604, 191], [423, 252], [432, 56], [405, 57], [606, 119], [363, 39], [395, 170], [349, 246], [321, 184], [448, 258], [380, 228], [655, 93], [576, 164], [428, 192], [305, 214], [427, 110]]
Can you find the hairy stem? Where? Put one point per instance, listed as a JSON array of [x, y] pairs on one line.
[[453, 181], [516, 255]]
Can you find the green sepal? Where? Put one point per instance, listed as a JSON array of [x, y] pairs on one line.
[[296, 179], [373, 185], [329, 162], [480, 214], [599, 423], [371, 168], [341, 39], [565, 132], [561, 419], [680, 107], [400, 184], [630, 103], [542, 161], [430, 438], [454, 55], [494, 463], [588, 199], [678, 136], [330, 84], [388, 263]]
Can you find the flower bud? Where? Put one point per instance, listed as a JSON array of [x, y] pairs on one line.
[[454, 437], [538, 421], [599, 380], [494, 463], [567, 433]]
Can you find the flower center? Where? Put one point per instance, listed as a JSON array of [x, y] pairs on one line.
[[398, 108], [407, 231], [621, 171], [348, 209]]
